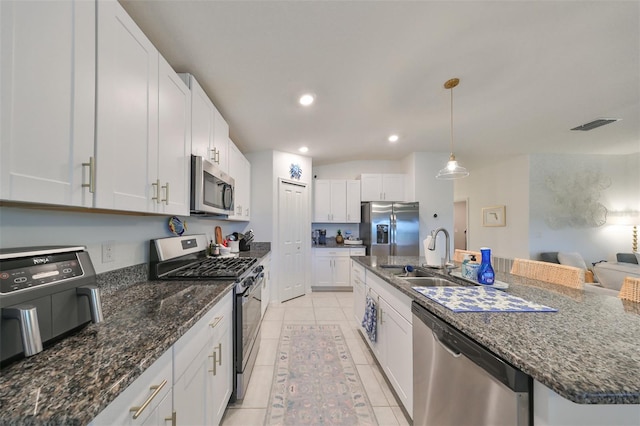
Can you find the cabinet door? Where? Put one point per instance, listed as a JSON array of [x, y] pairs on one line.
[[48, 101], [338, 201], [222, 375], [371, 187], [174, 135], [353, 201], [220, 141], [323, 270], [192, 391], [395, 336], [246, 206], [359, 295], [393, 187], [322, 200], [127, 112], [201, 121], [341, 271]]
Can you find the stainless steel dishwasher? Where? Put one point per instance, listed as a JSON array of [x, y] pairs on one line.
[[457, 382]]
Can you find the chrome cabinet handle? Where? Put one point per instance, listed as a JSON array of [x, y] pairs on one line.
[[156, 191], [218, 157], [156, 389], [166, 193], [216, 321], [220, 352], [173, 418], [92, 175], [213, 355], [213, 156]]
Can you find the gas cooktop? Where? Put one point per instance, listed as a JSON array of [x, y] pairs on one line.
[[186, 257]]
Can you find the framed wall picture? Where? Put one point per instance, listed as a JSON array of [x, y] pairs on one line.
[[494, 216]]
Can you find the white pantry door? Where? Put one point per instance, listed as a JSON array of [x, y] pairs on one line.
[[292, 217]]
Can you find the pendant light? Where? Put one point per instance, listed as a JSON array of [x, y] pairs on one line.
[[452, 170]]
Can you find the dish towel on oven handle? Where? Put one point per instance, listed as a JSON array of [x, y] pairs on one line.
[[369, 322]]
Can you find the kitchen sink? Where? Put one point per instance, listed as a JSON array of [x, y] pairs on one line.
[[430, 282]]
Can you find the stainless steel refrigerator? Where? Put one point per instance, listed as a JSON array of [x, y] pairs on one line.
[[390, 229]]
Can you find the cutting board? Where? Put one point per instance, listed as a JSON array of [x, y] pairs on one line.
[[480, 299], [219, 239]]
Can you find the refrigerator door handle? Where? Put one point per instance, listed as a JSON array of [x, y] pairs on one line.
[[392, 234]]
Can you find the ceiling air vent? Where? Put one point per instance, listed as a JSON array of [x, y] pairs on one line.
[[596, 123]]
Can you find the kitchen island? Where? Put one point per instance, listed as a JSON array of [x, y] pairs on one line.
[[588, 352], [76, 378]]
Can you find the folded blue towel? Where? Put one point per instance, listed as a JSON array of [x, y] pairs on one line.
[[370, 320]]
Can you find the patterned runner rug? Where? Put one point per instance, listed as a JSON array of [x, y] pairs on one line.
[[315, 380]]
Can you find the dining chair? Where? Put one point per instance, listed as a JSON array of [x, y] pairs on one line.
[[568, 276], [630, 289], [458, 255]]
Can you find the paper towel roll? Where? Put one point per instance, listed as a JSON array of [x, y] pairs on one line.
[[432, 258]]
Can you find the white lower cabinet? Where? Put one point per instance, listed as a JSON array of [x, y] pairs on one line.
[[331, 267], [203, 368], [190, 384], [359, 291], [393, 347], [152, 388]]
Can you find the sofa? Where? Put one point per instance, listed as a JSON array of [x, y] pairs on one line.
[[611, 274]]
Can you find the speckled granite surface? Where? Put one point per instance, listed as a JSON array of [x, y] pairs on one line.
[[587, 352], [331, 243], [76, 378]]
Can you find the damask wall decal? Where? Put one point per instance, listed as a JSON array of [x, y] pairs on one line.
[[576, 199]]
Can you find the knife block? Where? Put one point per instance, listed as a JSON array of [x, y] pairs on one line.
[[244, 246]]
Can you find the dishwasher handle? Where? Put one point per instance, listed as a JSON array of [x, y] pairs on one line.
[[452, 351]]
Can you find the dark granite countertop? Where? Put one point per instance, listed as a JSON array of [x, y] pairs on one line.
[[75, 379], [331, 244], [588, 352]]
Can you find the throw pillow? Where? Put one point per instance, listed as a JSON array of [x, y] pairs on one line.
[[572, 259]]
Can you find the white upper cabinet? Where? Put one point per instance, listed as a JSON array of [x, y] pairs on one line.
[[171, 186], [127, 112], [201, 120], [240, 171], [353, 201], [334, 201], [48, 101], [220, 141], [382, 187]]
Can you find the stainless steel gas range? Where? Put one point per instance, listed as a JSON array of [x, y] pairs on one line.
[[185, 258]]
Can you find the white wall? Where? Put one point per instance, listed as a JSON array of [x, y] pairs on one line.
[[504, 183], [21, 227], [617, 179]]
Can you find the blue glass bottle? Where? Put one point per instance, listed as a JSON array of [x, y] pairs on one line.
[[485, 273]]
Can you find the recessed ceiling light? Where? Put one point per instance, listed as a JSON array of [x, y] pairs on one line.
[[393, 138], [306, 99], [303, 149]]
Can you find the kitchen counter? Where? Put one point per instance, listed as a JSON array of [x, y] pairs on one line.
[[331, 244], [76, 378], [588, 352]]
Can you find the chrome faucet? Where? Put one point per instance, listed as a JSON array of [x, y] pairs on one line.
[[432, 246]]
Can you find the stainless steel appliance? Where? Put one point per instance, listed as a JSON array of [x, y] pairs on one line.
[[390, 229], [185, 258], [458, 382], [212, 190], [46, 293]]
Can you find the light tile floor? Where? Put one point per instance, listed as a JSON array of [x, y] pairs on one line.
[[313, 308]]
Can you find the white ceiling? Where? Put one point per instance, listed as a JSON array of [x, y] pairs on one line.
[[529, 71]]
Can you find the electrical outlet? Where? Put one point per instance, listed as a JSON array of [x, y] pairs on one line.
[[108, 251]]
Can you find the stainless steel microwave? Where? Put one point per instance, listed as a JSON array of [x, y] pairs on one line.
[[212, 190]]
